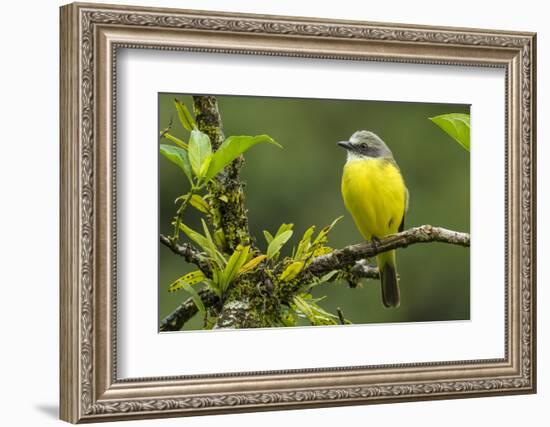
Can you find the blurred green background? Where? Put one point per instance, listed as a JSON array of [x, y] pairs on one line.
[[301, 184]]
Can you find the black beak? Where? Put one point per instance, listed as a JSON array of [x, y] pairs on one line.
[[344, 144]]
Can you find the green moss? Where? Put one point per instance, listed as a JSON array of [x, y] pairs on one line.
[[262, 303], [228, 201]]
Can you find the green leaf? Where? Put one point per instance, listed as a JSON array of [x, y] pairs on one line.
[[252, 264], [456, 125], [195, 296], [174, 139], [198, 238], [213, 252], [178, 156], [321, 250], [199, 150], [205, 242], [284, 227], [234, 264], [186, 119], [268, 237], [303, 247], [291, 271], [214, 283], [219, 238], [192, 278], [277, 243], [315, 314], [322, 317], [328, 276], [301, 305], [287, 318], [232, 148], [322, 236], [323, 279], [204, 166], [207, 233], [199, 203]]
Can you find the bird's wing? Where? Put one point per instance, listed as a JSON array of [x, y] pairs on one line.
[[402, 225]]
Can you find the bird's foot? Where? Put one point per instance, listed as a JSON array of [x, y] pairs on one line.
[[375, 242]]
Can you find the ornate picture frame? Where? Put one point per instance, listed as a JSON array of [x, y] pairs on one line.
[[90, 37]]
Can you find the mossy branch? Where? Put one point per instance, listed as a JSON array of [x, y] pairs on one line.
[[348, 256], [189, 253], [236, 314], [226, 188], [362, 270], [186, 310]]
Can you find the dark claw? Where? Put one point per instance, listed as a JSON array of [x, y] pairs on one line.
[[375, 242]]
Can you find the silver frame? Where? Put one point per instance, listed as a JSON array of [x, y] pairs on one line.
[[90, 36]]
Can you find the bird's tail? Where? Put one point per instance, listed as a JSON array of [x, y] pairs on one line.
[[388, 278]]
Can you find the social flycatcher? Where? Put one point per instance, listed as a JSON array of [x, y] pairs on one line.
[[374, 193]]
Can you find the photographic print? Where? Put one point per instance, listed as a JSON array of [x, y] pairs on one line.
[[224, 185], [277, 212]]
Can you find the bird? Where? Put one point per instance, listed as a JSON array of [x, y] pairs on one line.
[[375, 194]]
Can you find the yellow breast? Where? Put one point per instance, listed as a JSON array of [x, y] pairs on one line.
[[374, 194]]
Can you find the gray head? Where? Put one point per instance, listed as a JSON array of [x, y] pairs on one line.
[[364, 144]]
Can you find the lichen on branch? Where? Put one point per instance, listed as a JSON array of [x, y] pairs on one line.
[[189, 253], [349, 255]]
